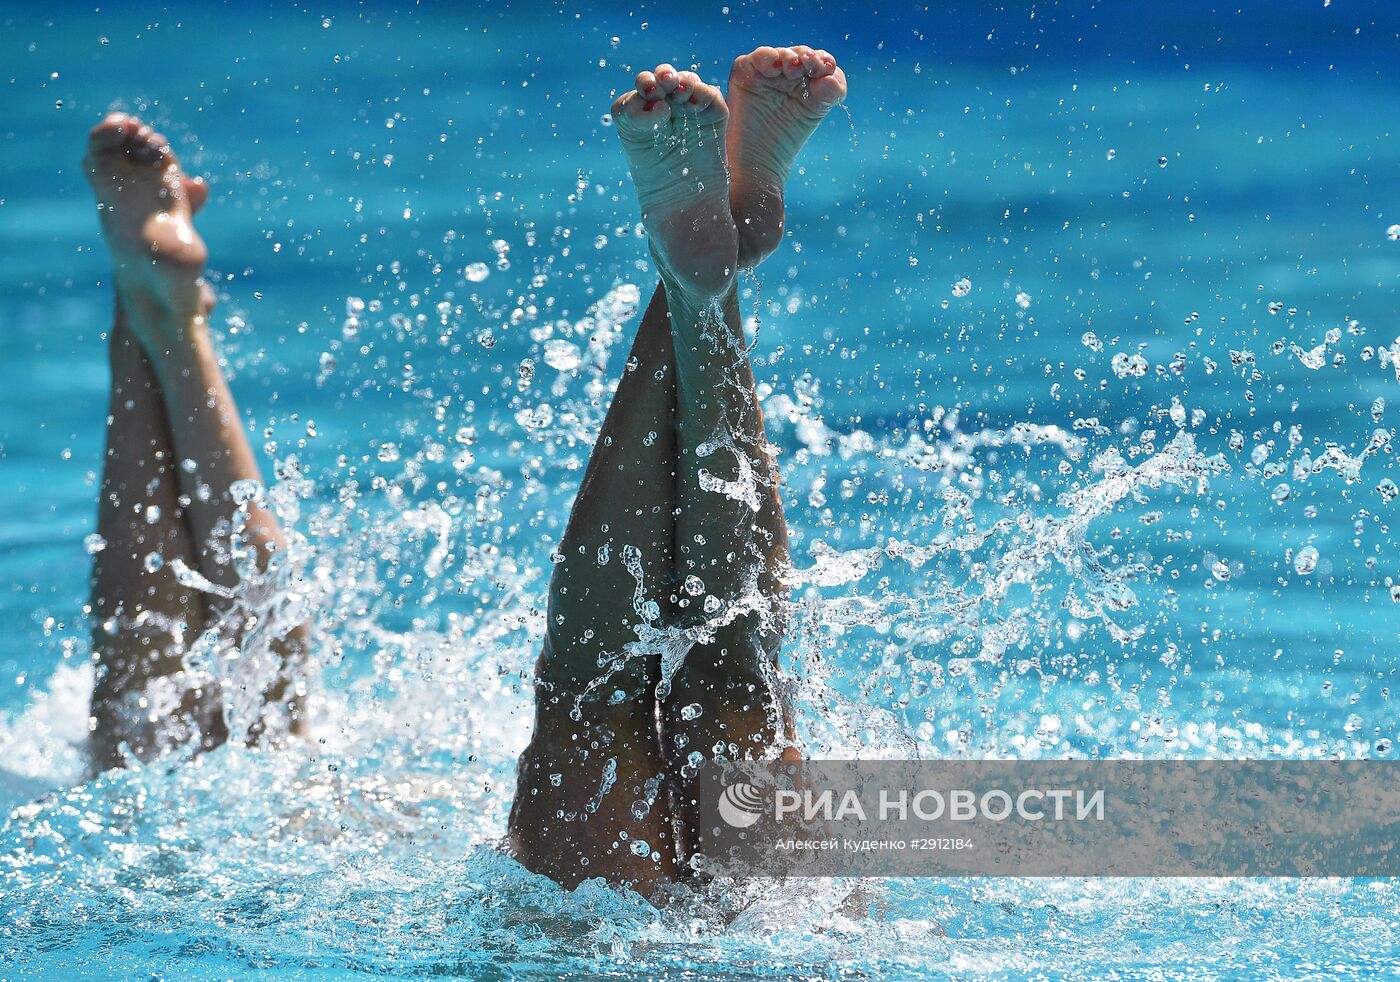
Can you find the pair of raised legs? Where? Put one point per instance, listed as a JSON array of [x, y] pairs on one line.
[[666, 605], [173, 541]]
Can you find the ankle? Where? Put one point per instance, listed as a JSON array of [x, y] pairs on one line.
[[156, 311], [756, 246], [758, 209], [759, 239], [696, 251], [691, 293], [169, 334]]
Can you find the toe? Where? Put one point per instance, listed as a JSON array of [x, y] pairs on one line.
[[668, 78], [694, 95], [830, 89], [684, 90], [826, 64], [635, 115], [767, 61], [134, 132], [151, 147], [104, 139], [147, 147], [647, 87], [811, 64], [108, 133], [792, 63], [197, 192]]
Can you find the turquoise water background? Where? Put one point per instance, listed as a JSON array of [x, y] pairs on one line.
[[1161, 411]]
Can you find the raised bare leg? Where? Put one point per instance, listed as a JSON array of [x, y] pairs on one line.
[[724, 702], [591, 798], [146, 205], [143, 620]]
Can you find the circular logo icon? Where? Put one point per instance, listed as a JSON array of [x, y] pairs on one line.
[[741, 805]]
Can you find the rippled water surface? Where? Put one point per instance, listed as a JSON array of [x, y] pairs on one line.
[[1081, 357]]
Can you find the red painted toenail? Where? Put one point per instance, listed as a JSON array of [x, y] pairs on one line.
[[796, 62], [777, 63], [650, 89], [693, 100]]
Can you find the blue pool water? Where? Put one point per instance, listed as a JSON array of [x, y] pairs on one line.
[[1149, 440]]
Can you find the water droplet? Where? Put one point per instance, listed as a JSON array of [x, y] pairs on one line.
[[1314, 358], [561, 355], [1177, 412], [94, 544], [477, 272], [962, 287], [537, 418], [1305, 561], [245, 491], [1393, 233], [692, 711], [1128, 366], [153, 562], [502, 250]]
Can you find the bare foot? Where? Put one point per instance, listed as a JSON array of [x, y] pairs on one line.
[[672, 126], [146, 203], [779, 97]]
